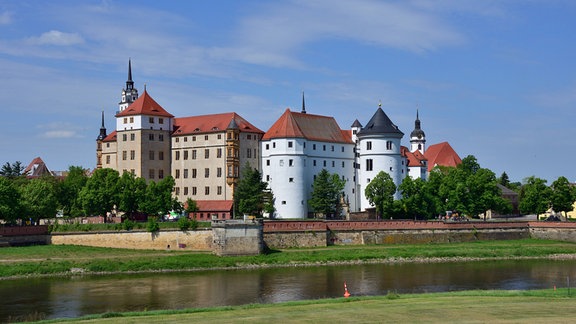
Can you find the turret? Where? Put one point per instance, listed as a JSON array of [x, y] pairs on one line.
[[129, 93], [417, 137]]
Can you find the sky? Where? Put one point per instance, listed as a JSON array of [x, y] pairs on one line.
[[495, 79]]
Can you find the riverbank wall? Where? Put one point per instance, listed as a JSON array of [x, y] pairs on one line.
[[304, 234]]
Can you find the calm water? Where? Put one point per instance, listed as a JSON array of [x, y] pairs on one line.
[[81, 295]]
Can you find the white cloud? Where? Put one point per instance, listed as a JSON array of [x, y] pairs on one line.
[[55, 37], [60, 134], [5, 18]]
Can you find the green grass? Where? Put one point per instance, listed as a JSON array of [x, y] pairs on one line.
[[550, 306], [59, 259]]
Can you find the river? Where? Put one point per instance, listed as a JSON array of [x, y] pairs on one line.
[[81, 295]]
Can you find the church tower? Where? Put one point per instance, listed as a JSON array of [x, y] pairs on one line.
[[99, 141], [129, 93], [417, 137]]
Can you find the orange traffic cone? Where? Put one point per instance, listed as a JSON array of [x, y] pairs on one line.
[[346, 293]]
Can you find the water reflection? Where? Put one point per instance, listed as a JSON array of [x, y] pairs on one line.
[[76, 296]]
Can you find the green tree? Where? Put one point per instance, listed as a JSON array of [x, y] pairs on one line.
[[380, 193], [326, 192], [40, 198], [416, 201], [534, 196], [158, 199], [131, 190], [69, 191], [12, 170], [191, 206], [100, 193], [10, 201], [250, 193], [563, 195], [504, 180]]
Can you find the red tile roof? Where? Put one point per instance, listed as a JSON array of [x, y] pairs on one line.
[[214, 205], [144, 105], [212, 123], [415, 159], [311, 127], [36, 168], [441, 154], [111, 137]]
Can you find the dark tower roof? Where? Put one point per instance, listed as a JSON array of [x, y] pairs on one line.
[[380, 124], [233, 124], [417, 132], [303, 104], [102, 135], [356, 123], [129, 82]]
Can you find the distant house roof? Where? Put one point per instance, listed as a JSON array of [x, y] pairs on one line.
[[415, 159], [380, 124], [144, 105], [441, 154], [214, 205], [212, 123], [311, 127], [36, 168]]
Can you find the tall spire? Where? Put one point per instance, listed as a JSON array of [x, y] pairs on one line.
[[129, 93], [102, 129], [303, 104], [129, 82]]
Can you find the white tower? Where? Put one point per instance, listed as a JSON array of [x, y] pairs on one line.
[[417, 137], [129, 93], [379, 150]]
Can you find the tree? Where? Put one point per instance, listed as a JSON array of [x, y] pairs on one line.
[[158, 198], [534, 196], [416, 201], [191, 206], [504, 180], [563, 195], [380, 192], [326, 192], [131, 190], [12, 170], [100, 193], [250, 193], [69, 191], [10, 201], [39, 198]]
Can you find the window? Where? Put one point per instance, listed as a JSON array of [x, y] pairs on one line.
[[107, 159], [219, 172], [368, 146], [290, 179], [323, 147], [219, 153], [131, 119], [205, 137], [342, 148], [219, 190], [185, 191], [194, 173], [132, 155], [151, 137], [151, 173], [333, 163], [185, 154], [219, 136], [161, 137], [248, 136], [185, 139], [206, 153], [161, 155], [267, 146], [290, 162], [268, 162], [177, 191], [177, 155], [193, 154], [342, 163], [151, 120], [206, 190], [273, 145], [161, 174], [193, 138], [314, 162], [160, 120], [151, 155], [281, 162], [283, 202], [248, 153], [124, 137], [314, 146], [124, 155], [332, 148], [185, 173], [206, 172], [177, 174], [369, 165], [290, 144], [177, 139], [125, 120], [324, 164], [194, 191], [132, 136], [389, 145], [267, 178]]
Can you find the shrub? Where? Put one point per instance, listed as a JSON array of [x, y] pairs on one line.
[[152, 225], [128, 225], [184, 224]]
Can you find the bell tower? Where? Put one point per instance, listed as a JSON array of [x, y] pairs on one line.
[[129, 93], [417, 137]]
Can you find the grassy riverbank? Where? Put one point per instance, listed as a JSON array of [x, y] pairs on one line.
[[540, 306], [57, 260]]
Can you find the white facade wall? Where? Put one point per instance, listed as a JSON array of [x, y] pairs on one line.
[[383, 158], [143, 122], [290, 164]]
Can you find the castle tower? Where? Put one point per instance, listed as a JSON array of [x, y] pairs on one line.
[[129, 93], [232, 155], [417, 137], [379, 149], [99, 140]]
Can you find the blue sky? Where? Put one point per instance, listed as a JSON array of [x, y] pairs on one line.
[[496, 79]]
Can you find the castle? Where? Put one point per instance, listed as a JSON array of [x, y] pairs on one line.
[[205, 154]]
